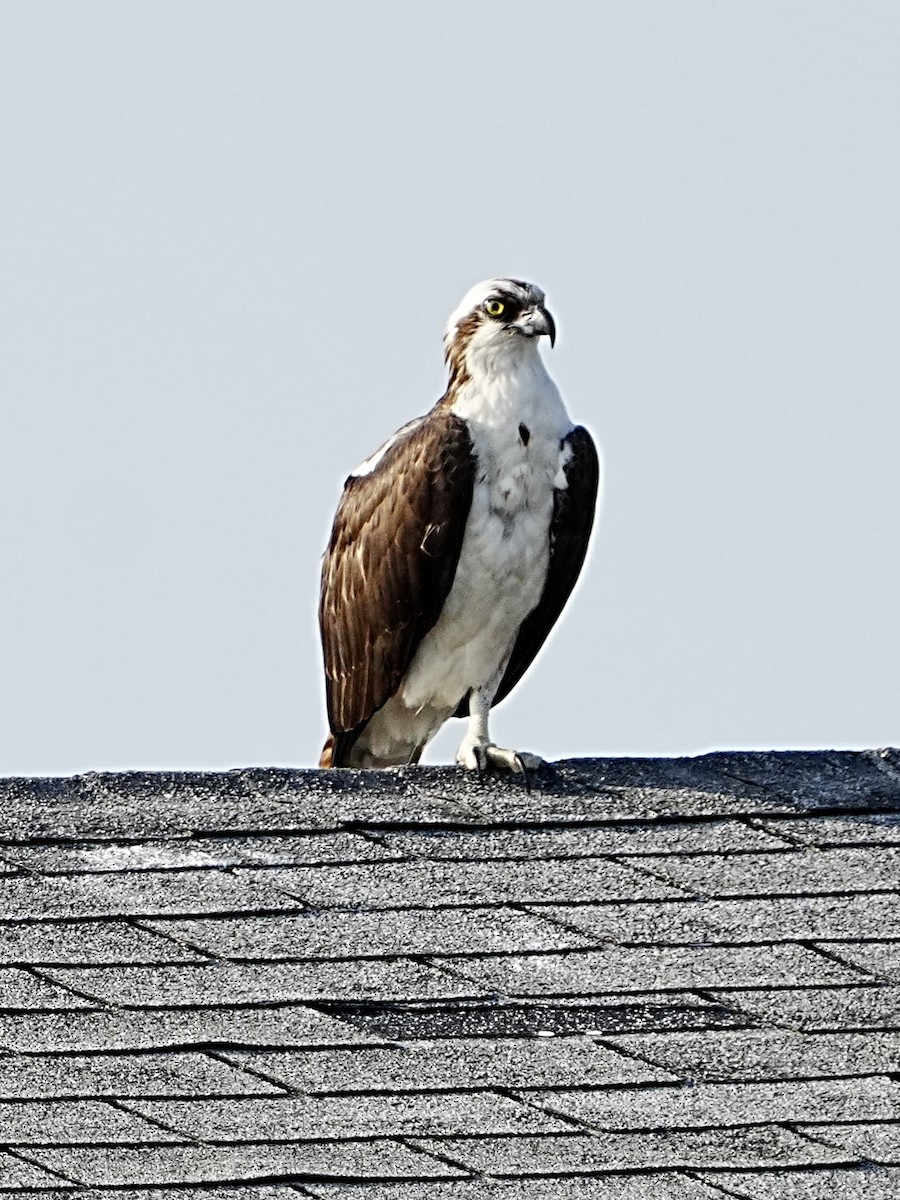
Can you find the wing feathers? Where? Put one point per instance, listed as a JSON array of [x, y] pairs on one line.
[[390, 565], [570, 531]]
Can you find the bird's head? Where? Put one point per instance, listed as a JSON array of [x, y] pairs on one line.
[[499, 318]]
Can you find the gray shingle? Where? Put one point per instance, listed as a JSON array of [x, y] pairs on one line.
[[798, 872], [758, 919], [293, 1119], [87, 942], [584, 842], [763, 1145], [713, 1105], [136, 893], [279, 1025], [812, 780], [628, 968], [874, 1006], [229, 983], [264, 1191], [756, 1054], [176, 1073], [463, 1063], [849, 1183], [19, 989], [145, 804], [14, 1173], [670, 1185], [69, 1122], [148, 1166], [422, 884], [179, 853], [471, 998], [878, 1143], [859, 829], [346, 934], [881, 958], [50, 858]]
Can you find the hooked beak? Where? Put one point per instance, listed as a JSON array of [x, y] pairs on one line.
[[534, 322]]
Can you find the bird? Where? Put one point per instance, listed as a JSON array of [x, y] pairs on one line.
[[456, 545]]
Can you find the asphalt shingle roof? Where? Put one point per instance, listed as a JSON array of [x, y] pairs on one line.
[[638, 980]]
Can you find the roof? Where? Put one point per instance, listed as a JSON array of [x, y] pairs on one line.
[[638, 980]]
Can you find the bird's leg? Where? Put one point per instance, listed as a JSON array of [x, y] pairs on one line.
[[477, 752]]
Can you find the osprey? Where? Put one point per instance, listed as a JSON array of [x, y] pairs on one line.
[[456, 545]]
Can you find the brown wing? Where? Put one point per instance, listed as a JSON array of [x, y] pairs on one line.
[[389, 567], [570, 531]]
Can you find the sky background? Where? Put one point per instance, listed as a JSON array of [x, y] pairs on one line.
[[230, 237]]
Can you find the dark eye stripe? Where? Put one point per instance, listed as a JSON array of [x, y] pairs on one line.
[[511, 307]]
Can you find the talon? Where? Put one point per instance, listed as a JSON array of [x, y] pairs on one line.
[[482, 756]]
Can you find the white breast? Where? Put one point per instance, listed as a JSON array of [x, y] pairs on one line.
[[503, 563]]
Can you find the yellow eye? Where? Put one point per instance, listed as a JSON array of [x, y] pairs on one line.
[[493, 308]]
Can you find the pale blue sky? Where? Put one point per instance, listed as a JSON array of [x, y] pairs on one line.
[[230, 236]]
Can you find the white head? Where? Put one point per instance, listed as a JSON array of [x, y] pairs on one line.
[[497, 319]]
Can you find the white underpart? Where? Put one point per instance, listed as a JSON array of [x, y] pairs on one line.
[[503, 563]]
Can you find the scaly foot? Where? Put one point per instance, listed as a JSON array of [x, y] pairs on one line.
[[481, 756]]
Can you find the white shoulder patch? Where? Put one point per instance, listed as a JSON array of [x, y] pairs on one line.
[[367, 467]]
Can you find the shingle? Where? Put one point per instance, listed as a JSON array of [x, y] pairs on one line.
[[463, 1063], [135, 893], [539, 1016], [879, 1143], [228, 983], [763, 1145], [757, 1054], [146, 804], [871, 1006], [849, 1183], [179, 853], [798, 872], [724, 836], [881, 958], [432, 1049], [68, 1122], [279, 1025], [669, 1185], [72, 857], [606, 790], [21, 990], [14, 1173], [813, 780], [780, 918], [356, 1116], [87, 942], [26, 897], [646, 968], [147, 1166], [270, 1191], [423, 884], [176, 1073], [716, 1105], [267, 1191], [286, 850], [346, 934], [859, 829]]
